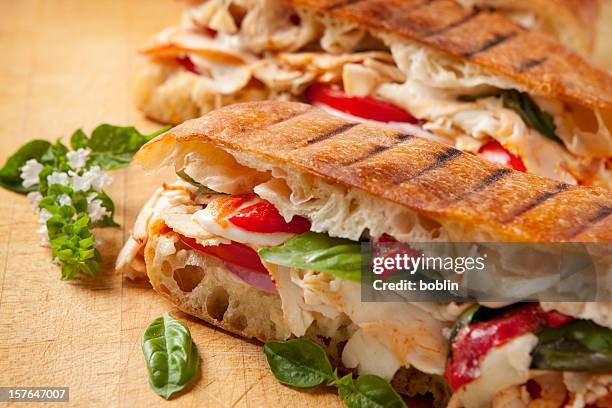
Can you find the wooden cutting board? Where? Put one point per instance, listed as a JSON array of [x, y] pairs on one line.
[[68, 64]]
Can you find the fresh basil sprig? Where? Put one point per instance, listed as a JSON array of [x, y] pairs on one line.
[[303, 363], [171, 355], [66, 187], [318, 252], [528, 110]]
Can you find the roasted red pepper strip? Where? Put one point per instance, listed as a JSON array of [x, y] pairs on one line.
[[496, 153], [363, 107], [264, 217], [475, 340], [225, 206], [234, 252]]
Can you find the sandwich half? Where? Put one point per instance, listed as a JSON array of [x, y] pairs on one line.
[[269, 193], [467, 76]]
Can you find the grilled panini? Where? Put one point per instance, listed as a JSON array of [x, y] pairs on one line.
[[468, 77], [259, 175]]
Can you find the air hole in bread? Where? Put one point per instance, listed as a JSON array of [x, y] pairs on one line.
[[217, 303], [239, 321], [189, 277]]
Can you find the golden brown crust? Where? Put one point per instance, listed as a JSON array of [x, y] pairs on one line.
[[430, 178], [571, 20], [483, 37]]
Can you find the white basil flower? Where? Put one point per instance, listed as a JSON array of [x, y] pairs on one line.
[[99, 178], [34, 198], [42, 231], [65, 200], [95, 210], [29, 172], [43, 217], [80, 183], [58, 178], [78, 158]]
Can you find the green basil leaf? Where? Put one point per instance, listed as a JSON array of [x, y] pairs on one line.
[[78, 140], [346, 386], [298, 362], [369, 391], [528, 110], [10, 174], [569, 355], [172, 357], [55, 156], [318, 252], [475, 97], [578, 346], [585, 332], [464, 320], [113, 147]]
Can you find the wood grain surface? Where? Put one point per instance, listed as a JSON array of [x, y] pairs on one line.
[[68, 64]]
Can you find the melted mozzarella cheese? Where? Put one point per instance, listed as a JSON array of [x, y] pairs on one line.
[[227, 230], [502, 367]]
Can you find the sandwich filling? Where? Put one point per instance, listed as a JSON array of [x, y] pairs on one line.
[[283, 239], [227, 52]]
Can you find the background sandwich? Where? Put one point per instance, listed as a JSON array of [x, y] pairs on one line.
[[469, 77], [266, 186], [572, 22]]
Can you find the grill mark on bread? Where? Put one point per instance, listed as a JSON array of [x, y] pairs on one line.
[[601, 214], [541, 199], [489, 180], [380, 149], [457, 23], [499, 39], [530, 63], [334, 132], [441, 160], [282, 119], [492, 179]]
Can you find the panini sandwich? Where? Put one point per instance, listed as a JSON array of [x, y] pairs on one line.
[[270, 193], [468, 76]]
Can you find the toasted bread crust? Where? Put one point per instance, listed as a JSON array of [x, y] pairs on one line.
[[483, 37], [430, 178], [570, 20]]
